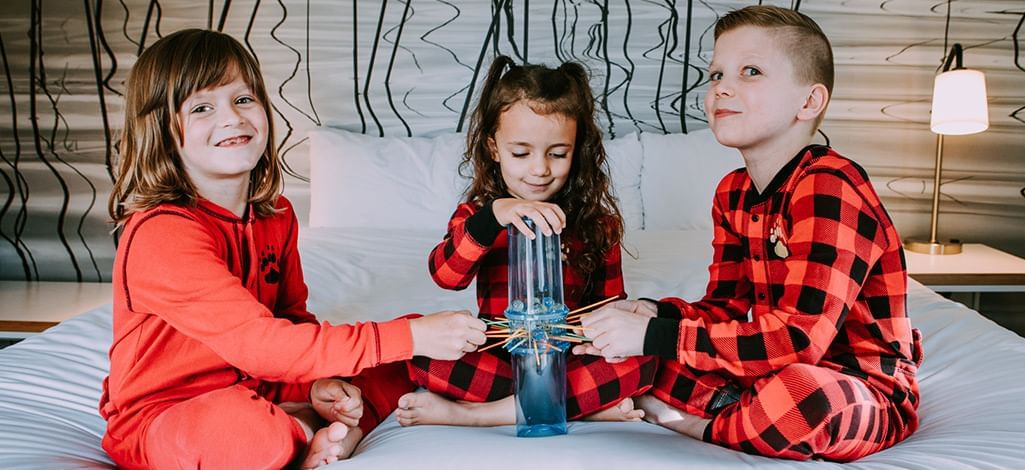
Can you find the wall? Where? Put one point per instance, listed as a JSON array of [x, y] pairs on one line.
[[394, 68]]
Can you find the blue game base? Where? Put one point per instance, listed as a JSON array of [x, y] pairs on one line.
[[541, 430]]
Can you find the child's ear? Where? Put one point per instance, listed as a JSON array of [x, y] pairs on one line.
[[493, 148], [815, 103]]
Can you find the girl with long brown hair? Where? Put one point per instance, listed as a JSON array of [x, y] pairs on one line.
[[215, 359], [535, 152]]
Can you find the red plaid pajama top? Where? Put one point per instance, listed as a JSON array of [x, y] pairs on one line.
[[477, 247], [817, 262]]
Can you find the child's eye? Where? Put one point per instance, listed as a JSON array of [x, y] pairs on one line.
[[751, 71], [715, 76], [519, 155], [201, 108], [558, 155], [245, 100]]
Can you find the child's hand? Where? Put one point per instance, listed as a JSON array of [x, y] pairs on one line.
[[337, 400], [546, 215], [616, 333], [644, 308], [446, 335]]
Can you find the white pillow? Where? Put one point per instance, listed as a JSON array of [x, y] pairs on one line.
[[624, 158], [414, 183], [371, 182], [679, 177]]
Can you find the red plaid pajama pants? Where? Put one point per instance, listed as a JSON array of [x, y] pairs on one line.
[[592, 384], [800, 412]]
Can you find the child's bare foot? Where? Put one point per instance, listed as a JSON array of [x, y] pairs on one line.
[[330, 444], [661, 413], [623, 411], [430, 408]]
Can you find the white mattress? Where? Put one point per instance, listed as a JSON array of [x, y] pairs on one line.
[[972, 381]]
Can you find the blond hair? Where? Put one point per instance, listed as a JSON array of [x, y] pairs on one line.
[[802, 40], [150, 171]]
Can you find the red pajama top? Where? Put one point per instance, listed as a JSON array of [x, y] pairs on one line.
[[204, 300], [817, 262], [476, 246]]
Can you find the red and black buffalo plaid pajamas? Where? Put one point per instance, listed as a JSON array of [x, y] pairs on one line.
[[824, 366], [477, 246]]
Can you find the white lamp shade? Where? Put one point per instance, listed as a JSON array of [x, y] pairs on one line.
[[959, 103]]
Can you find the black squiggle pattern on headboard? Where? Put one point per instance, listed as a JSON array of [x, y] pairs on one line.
[[355, 68], [124, 24], [526, 30], [36, 59], [101, 83], [224, 15], [249, 31], [477, 68], [370, 69], [145, 26], [102, 38], [670, 46], [384, 81], [1017, 63], [604, 44], [391, 67], [686, 66], [20, 186], [283, 143], [628, 71]]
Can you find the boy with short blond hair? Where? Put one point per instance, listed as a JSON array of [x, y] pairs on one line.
[[801, 348]]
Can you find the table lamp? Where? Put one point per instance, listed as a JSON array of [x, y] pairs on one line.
[[958, 108]]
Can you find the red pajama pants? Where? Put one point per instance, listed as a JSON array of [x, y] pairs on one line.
[[592, 384], [235, 427], [800, 412]]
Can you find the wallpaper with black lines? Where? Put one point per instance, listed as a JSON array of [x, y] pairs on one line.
[[413, 68]]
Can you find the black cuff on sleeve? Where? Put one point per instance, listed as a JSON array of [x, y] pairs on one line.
[[661, 337], [483, 226]]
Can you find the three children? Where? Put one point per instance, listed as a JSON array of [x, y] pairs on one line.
[[801, 347]]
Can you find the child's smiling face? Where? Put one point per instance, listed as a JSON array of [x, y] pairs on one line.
[[224, 132], [754, 94], [534, 151]]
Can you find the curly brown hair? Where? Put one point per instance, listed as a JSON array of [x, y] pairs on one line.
[[592, 213], [150, 171]]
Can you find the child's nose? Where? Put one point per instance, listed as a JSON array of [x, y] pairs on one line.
[[231, 116], [722, 89], [539, 165]]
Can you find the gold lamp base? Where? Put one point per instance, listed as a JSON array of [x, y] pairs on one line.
[[951, 247]]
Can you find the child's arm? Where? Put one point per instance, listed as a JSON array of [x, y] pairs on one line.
[[471, 232], [173, 269], [728, 294], [607, 279], [837, 238]]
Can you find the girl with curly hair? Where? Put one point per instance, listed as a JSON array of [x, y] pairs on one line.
[[536, 152]]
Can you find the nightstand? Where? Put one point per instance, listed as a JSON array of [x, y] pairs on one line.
[[977, 269], [30, 307]]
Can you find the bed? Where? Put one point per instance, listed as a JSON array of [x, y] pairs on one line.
[[363, 265]]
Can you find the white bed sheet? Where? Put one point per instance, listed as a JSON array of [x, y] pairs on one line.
[[972, 381]]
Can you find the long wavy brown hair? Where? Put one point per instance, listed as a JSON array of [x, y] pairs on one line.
[[592, 214], [150, 171]]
